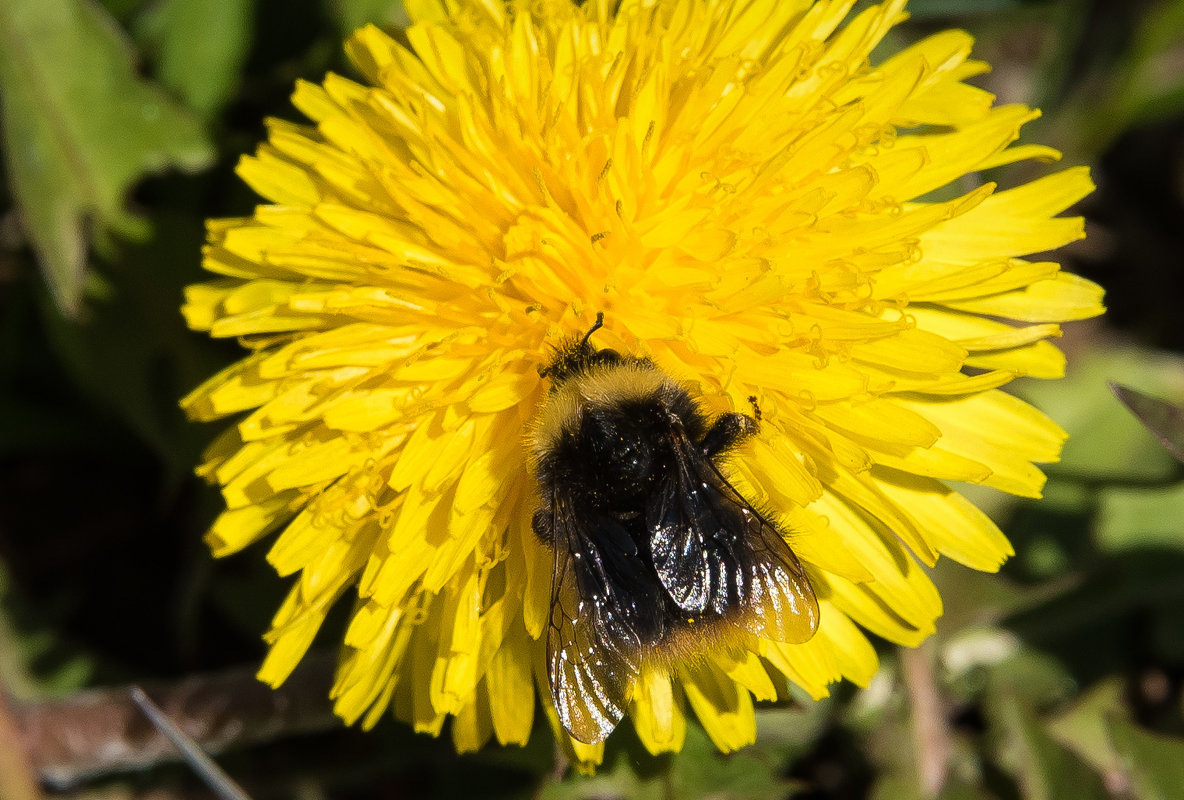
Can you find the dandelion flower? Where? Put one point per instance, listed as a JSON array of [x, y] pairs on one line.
[[752, 204]]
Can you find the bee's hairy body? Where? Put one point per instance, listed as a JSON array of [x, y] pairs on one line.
[[608, 456], [657, 557]]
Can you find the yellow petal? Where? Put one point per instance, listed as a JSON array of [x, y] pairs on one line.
[[723, 708], [1064, 297], [954, 526], [657, 713]]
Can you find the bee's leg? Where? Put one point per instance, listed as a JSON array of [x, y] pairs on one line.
[[542, 523], [727, 431]]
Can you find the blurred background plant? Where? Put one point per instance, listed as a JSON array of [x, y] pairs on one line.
[[121, 124]]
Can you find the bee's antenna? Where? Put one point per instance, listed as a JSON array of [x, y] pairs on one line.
[[597, 325], [574, 356]]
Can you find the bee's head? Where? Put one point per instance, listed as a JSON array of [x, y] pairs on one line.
[[578, 357]]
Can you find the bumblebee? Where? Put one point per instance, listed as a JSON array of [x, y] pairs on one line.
[[656, 556]]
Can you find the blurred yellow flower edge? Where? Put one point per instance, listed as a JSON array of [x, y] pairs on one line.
[[750, 203]]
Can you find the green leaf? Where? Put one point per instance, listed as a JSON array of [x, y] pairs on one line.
[[203, 70], [1105, 441], [943, 9], [1164, 419], [699, 770], [973, 599], [1084, 726], [1146, 85], [79, 129], [1155, 763], [25, 654], [1090, 629], [956, 789], [1131, 518], [1099, 729], [897, 787], [353, 14], [618, 778], [1043, 768], [1032, 677]]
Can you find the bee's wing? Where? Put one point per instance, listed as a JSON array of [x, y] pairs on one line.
[[598, 599], [712, 549], [679, 544]]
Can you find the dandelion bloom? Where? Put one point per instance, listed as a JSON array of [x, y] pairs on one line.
[[751, 203]]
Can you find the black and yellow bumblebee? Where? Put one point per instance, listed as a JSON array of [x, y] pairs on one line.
[[657, 556]]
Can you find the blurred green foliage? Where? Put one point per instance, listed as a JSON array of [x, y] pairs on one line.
[[1063, 677], [80, 127]]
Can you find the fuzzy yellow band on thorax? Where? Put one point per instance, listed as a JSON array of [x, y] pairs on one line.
[[600, 385]]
